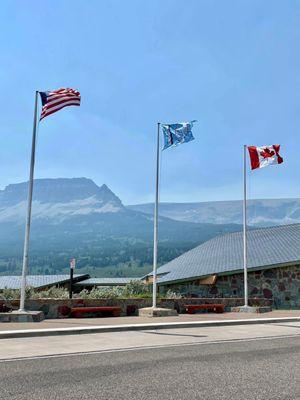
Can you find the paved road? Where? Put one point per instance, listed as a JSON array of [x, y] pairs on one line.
[[244, 369], [110, 341]]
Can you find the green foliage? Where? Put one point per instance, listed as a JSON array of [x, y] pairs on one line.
[[14, 294], [172, 295], [136, 288], [112, 257], [51, 293], [101, 293], [9, 294]]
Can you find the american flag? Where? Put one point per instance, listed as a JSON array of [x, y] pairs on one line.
[[55, 100]]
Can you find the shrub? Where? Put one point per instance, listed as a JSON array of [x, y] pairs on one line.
[[9, 294], [172, 295], [51, 293], [84, 294], [14, 294], [101, 293], [31, 293], [136, 288]]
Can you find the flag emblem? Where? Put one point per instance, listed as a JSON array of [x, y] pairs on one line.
[[264, 156], [175, 134], [55, 100]]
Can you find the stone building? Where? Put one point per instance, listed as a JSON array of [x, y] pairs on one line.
[[215, 268]]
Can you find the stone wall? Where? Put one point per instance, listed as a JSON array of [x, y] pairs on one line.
[[281, 285], [54, 308]]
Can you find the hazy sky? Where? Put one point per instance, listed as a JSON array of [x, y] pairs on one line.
[[232, 65]]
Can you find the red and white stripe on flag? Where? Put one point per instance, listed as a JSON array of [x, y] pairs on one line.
[[264, 156], [55, 100]]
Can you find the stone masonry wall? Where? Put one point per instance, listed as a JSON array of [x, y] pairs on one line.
[[281, 285], [55, 308]]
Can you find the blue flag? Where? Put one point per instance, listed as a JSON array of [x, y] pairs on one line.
[[175, 134]]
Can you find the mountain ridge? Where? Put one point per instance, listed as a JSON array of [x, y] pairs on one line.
[[77, 218], [58, 198], [56, 189], [63, 198], [260, 212], [74, 217]]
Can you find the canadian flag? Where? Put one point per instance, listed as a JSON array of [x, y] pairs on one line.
[[263, 156]]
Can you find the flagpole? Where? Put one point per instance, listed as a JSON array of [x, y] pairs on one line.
[[245, 231], [155, 238], [29, 206]]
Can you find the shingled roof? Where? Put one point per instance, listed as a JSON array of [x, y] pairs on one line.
[[267, 247], [105, 281], [37, 281]]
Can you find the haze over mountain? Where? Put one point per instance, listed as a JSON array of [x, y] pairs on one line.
[[265, 212], [75, 217], [58, 199]]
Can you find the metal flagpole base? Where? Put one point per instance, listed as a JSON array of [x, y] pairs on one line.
[[22, 316], [245, 309], [157, 312]]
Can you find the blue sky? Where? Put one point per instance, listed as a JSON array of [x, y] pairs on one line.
[[232, 65]]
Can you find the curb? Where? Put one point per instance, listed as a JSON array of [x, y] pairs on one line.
[[138, 327]]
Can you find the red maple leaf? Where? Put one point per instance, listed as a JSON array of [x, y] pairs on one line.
[[267, 153]]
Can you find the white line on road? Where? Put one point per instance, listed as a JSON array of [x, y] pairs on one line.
[[125, 349], [141, 327]]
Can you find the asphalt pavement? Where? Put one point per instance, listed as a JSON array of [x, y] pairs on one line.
[[252, 363]]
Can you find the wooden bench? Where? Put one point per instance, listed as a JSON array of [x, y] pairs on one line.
[[79, 312], [192, 308], [4, 308]]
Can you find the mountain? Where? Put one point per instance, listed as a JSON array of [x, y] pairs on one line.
[[57, 199], [77, 218], [265, 212]]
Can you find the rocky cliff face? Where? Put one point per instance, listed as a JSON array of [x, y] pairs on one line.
[[58, 199]]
